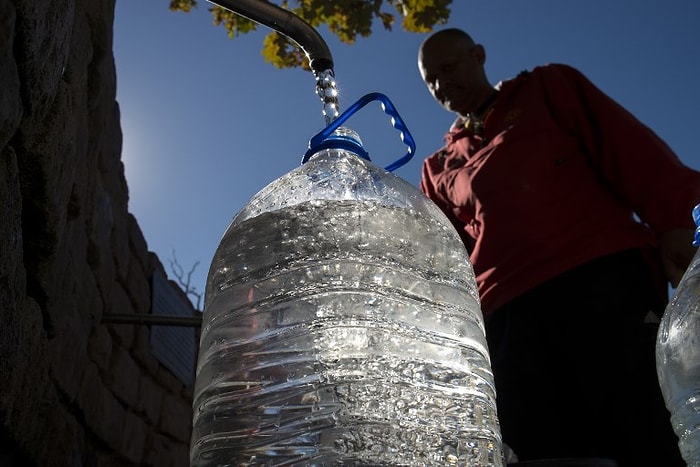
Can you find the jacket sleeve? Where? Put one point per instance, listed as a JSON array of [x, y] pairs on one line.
[[629, 157], [431, 167]]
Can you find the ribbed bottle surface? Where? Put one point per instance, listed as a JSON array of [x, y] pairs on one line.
[[678, 362], [342, 327]]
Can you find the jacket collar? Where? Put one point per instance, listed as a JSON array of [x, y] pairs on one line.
[[457, 129]]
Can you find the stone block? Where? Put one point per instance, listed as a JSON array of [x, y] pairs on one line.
[[46, 156], [100, 347], [42, 49], [120, 247], [90, 396], [34, 398], [11, 266], [176, 418], [142, 350], [123, 379], [101, 410], [17, 324], [134, 438], [10, 99], [100, 221], [110, 164], [68, 359], [25, 375], [150, 399], [110, 428], [61, 440], [67, 349], [137, 243], [85, 294], [121, 304], [180, 455], [162, 451], [168, 380], [158, 451], [138, 286]]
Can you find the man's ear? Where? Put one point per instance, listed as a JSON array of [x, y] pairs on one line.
[[479, 53]]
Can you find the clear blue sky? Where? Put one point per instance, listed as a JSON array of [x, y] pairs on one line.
[[207, 123]]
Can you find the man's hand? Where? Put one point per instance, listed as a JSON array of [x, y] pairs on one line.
[[677, 250]]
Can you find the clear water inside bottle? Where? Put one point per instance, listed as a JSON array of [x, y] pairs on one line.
[[678, 362], [343, 332], [343, 352]]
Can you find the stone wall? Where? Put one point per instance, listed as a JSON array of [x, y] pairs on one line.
[[75, 391]]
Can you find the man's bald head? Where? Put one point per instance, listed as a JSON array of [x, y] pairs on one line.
[[452, 66], [451, 35]]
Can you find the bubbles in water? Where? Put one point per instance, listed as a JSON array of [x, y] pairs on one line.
[[327, 90], [362, 343]]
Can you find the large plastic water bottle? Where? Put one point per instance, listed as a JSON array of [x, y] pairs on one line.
[[678, 357], [342, 326]]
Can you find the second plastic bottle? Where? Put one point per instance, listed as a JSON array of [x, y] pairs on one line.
[[342, 326], [678, 357]]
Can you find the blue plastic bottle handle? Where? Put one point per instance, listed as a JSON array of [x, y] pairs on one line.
[[317, 141], [696, 218]]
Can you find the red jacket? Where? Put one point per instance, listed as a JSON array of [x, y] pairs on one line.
[[555, 181]]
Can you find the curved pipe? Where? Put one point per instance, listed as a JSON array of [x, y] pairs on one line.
[[287, 23]]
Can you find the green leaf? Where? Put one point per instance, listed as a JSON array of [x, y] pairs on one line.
[[182, 5]]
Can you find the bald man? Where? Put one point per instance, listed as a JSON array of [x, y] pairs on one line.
[[575, 215]]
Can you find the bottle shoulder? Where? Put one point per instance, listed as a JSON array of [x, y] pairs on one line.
[[337, 175]]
